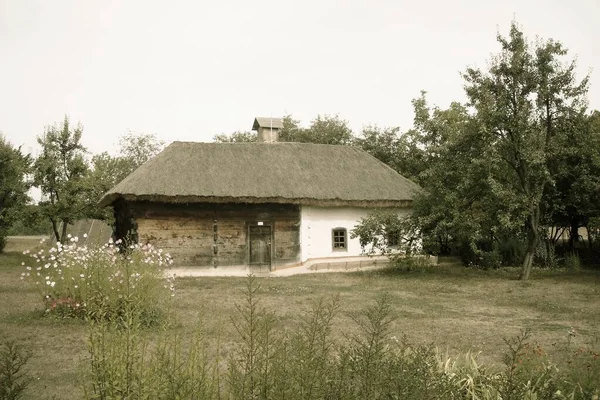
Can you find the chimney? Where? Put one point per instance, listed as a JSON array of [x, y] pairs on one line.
[[267, 128]]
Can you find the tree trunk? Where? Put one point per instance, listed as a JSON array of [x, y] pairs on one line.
[[573, 233], [589, 236], [533, 237], [55, 230], [63, 236]]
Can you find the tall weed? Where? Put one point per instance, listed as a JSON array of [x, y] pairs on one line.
[[14, 379], [304, 361], [125, 363]]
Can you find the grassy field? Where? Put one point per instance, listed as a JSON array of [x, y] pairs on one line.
[[449, 306]]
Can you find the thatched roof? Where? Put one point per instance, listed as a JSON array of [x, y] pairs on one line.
[[296, 173], [267, 122]]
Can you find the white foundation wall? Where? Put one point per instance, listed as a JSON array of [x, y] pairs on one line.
[[317, 223]]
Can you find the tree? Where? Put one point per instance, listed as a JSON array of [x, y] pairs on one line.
[[382, 143], [236, 137], [571, 199], [384, 232], [14, 167], [107, 171], [327, 129], [443, 155], [139, 148], [523, 103], [30, 221], [61, 172], [324, 129]]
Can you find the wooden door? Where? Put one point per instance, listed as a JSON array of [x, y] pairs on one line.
[[260, 245]]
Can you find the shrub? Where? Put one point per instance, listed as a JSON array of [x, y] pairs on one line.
[[572, 262], [410, 263], [102, 283], [545, 254], [511, 250], [13, 379]]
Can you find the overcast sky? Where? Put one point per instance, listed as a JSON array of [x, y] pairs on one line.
[[187, 70]]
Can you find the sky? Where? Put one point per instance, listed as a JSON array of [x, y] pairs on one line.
[[187, 70]]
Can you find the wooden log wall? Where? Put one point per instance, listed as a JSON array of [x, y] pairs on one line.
[[215, 235]]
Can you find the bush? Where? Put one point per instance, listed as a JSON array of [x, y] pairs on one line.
[[102, 283], [2, 240], [13, 379], [572, 262], [410, 263], [511, 251]]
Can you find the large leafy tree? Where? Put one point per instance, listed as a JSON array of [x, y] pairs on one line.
[[572, 199], [14, 166], [326, 129], [442, 154], [523, 103], [61, 172], [383, 143]]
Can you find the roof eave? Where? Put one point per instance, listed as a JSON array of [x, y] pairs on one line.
[[110, 198]]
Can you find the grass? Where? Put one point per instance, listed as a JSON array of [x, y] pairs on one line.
[[19, 244], [451, 306]]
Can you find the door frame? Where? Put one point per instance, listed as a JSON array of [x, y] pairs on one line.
[[271, 225]]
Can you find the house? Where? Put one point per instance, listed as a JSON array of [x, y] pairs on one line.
[[266, 205]]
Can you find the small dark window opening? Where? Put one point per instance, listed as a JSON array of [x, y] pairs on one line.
[[393, 239], [340, 239]]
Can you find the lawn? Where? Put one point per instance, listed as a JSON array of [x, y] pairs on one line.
[[450, 306]]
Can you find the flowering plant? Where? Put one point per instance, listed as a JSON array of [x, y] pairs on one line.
[[102, 283]]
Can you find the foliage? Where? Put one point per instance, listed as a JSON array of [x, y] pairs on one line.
[[523, 103], [502, 165], [107, 170], [60, 172], [101, 283], [124, 364], [572, 262], [386, 232], [14, 167], [572, 199], [30, 221], [456, 209], [236, 137], [139, 148], [385, 144], [307, 362], [13, 378], [324, 129]]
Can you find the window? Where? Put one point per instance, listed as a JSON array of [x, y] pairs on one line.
[[393, 239], [340, 239]]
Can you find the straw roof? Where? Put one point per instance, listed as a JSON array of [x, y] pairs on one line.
[[293, 173]]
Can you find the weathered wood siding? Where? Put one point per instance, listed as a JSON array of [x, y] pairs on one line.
[[217, 234]]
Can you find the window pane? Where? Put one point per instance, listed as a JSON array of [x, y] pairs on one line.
[[339, 239]]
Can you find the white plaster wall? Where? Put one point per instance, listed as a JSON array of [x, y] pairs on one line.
[[316, 226]]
